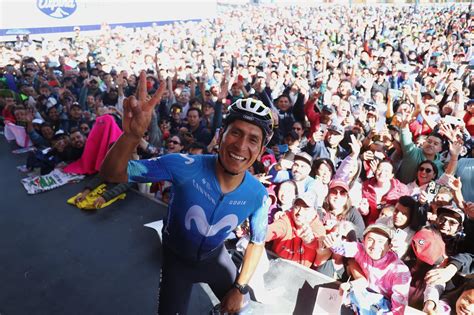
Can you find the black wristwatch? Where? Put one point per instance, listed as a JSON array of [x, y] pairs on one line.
[[243, 289]]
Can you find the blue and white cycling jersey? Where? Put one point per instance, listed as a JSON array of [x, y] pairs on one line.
[[200, 216]]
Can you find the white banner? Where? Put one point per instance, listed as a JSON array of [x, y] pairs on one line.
[[31, 14], [39, 184]]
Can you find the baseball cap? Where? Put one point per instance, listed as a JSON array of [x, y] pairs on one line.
[[75, 104], [452, 211], [38, 121], [305, 157], [94, 78], [432, 70], [382, 69], [379, 229], [370, 106], [338, 183], [429, 94], [306, 199], [51, 102], [428, 246], [405, 68], [336, 128], [58, 134], [328, 108]]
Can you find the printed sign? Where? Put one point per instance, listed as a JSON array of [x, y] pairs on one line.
[[58, 9], [38, 184]]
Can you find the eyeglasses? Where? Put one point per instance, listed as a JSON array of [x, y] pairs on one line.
[[426, 170], [174, 142], [451, 222], [338, 192], [297, 128]]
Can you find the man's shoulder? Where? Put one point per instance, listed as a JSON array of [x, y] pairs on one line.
[[181, 160], [252, 184]]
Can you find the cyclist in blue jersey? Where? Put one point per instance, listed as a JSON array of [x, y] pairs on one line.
[[211, 196]]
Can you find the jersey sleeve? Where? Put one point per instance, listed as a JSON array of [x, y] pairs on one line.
[[146, 171], [259, 221]]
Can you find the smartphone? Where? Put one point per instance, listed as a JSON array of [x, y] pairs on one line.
[[432, 190], [217, 132], [379, 155], [283, 148], [453, 120]]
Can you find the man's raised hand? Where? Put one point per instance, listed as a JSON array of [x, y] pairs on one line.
[[138, 111]]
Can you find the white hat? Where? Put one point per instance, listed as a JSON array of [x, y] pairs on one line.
[[38, 121]]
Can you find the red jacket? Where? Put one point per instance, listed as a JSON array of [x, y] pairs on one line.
[[469, 121], [419, 129], [288, 245], [313, 117], [397, 190]]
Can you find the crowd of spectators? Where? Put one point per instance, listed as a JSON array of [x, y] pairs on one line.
[[371, 166]]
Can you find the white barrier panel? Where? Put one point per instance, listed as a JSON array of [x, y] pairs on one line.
[[43, 16]]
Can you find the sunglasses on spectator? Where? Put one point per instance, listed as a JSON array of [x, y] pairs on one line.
[[340, 192], [451, 222], [426, 170], [296, 128], [174, 142]]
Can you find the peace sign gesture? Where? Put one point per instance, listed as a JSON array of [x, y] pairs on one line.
[[138, 112]]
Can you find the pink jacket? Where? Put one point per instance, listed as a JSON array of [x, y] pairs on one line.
[[388, 276]]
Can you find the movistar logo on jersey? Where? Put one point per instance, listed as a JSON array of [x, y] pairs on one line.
[[58, 9], [196, 214]]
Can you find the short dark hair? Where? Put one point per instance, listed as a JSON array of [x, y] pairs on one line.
[[409, 202], [198, 146], [317, 163], [74, 130], [195, 109], [282, 95], [437, 135], [433, 165]]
